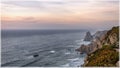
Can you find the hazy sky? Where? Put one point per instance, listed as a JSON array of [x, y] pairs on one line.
[[59, 14]]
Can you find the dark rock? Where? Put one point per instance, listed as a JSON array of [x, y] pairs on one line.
[[88, 37], [83, 49], [36, 55]]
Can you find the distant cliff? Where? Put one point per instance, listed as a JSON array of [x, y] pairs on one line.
[[103, 50]]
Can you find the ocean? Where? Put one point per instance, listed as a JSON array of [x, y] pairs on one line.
[[41, 48]]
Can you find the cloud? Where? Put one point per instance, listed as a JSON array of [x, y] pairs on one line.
[[60, 13]]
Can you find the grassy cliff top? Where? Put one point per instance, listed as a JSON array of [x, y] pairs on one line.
[[106, 56]]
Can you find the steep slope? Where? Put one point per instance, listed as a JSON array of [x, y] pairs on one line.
[[108, 54], [112, 37], [103, 50]]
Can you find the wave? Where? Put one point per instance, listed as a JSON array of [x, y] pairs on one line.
[[52, 51], [80, 42], [75, 62], [67, 53]]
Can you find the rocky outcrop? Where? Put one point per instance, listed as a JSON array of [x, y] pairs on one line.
[[83, 49], [36, 55], [99, 34], [101, 38], [88, 48], [88, 37], [112, 37], [96, 42]]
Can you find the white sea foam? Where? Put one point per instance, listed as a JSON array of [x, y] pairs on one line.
[[67, 53], [75, 62], [29, 57], [80, 42], [66, 65], [52, 51], [75, 59]]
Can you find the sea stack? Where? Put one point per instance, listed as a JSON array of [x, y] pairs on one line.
[[88, 36]]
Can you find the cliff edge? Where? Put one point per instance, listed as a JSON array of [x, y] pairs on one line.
[[103, 50]]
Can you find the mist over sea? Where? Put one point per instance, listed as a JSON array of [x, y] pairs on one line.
[[54, 48]]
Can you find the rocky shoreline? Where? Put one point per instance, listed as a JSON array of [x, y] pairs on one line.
[[95, 43], [99, 39]]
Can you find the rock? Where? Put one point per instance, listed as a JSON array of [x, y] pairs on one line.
[[99, 34], [112, 36], [117, 64], [36, 55], [99, 39], [88, 37], [96, 42], [83, 49]]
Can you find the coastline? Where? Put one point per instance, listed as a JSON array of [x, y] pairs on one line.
[[103, 41]]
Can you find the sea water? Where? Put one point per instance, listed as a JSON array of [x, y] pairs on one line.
[[53, 48]]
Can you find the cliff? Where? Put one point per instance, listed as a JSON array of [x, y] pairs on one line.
[[95, 44], [107, 56], [112, 37], [103, 50]]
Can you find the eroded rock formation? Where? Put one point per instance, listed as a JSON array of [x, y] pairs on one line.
[[88, 37]]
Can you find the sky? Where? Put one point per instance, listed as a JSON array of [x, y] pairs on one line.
[[59, 14]]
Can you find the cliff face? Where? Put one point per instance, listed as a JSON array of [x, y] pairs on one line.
[[104, 45], [99, 34], [96, 43], [101, 38], [112, 37]]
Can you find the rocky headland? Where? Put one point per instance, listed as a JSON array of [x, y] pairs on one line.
[[103, 49]]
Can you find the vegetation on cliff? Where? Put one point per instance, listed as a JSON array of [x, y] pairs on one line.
[[112, 36], [114, 30], [106, 56]]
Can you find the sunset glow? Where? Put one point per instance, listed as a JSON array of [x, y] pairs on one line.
[[59, 14]]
